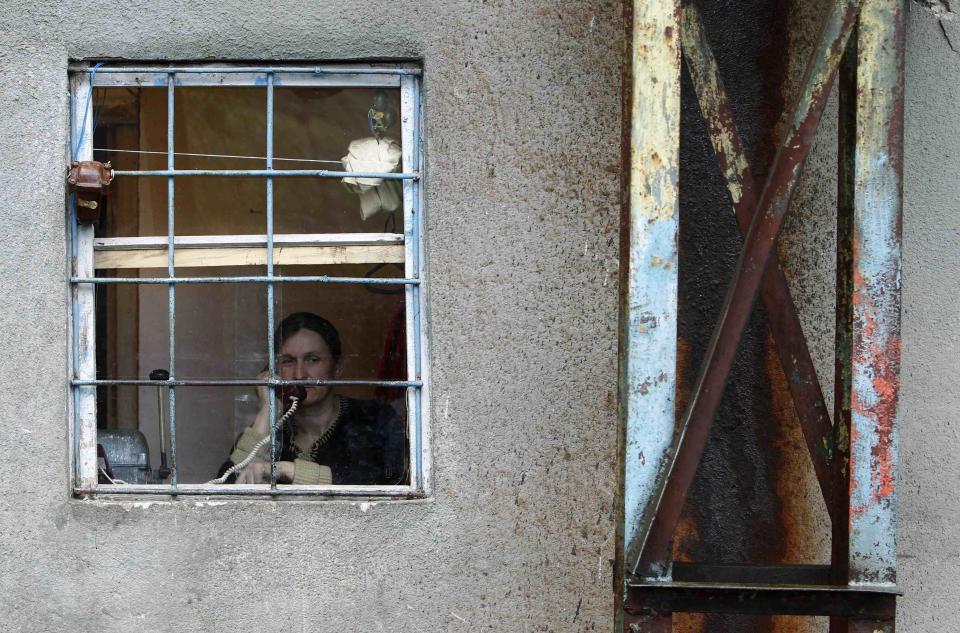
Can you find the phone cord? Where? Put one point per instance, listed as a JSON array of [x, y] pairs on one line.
[[256, 449]]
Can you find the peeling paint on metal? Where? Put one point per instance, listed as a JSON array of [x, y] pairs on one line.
[[671, 488], [875, 354], [648, 317]]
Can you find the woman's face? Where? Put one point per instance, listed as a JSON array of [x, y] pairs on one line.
[[306, 356]]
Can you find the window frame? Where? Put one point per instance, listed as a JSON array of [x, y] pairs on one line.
[[83, 384]]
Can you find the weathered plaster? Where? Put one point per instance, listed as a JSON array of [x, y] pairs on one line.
[[522, 105], [522, 109]]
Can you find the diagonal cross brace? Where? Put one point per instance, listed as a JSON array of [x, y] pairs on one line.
[[663, 508], [782, 316]]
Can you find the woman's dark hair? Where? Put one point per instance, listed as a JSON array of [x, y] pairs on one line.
[[307, 321]]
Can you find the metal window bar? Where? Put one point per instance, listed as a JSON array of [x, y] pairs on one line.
[[171, 288], [244, 382], [318, 279], [84, 401], [411, 86], [83, 281], [272, 361], [336, 69], [333, 76], [267, 173]]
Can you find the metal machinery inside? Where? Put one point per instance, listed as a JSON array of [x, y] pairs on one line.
[[853, 451]]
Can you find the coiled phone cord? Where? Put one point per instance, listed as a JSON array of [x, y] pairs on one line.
[[294, 401]]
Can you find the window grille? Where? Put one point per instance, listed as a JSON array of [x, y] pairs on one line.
[[90, 253]]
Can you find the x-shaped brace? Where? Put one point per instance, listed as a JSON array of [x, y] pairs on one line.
[[752, 272]]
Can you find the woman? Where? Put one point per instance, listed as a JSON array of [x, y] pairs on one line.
[[330, 438]]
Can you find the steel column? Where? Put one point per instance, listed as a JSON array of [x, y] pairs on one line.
[[875, 249], [648, 277], [665, 504], [855, 459]]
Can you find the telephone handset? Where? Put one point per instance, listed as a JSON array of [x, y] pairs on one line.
[[291, 397], [289, 392]]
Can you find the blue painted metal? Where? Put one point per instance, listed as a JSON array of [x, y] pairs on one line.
[[402, 492], [266, 173], [171, 288], [875, 353], [271, 316], [316, 279], [648, 301], [309, 70], [417, 478]]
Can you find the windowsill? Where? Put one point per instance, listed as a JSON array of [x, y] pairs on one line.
[[243, 495]]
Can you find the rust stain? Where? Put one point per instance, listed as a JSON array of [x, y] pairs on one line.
[[884, 358], [802, 514]]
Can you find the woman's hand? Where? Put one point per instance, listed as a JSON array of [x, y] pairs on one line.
[[261, 423], [263, 391], [258, 472]]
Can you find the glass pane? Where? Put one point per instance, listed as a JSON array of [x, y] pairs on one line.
[[324, 205], [221, 328], [328, 125], [369, 320], [220, 127], [225, 128], [337, 438], [132, 326], [219, 206], [130, 131]]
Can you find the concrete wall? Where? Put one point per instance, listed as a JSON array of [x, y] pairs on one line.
[[523, 120]]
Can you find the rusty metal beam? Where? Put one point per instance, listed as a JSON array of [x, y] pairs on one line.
[[743, 573], [648, 599], [648, 278], [843, 336], [795, 358], [664, 507]]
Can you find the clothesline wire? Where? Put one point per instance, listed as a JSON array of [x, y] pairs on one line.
[[292, 160]]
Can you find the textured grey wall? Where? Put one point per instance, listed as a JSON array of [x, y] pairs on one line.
[[930, 443], [522, 111]]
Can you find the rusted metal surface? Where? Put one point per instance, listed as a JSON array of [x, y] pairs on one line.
[[846, 143], [876, 239], [713, 578], [89, 181], [751, 574], [781, 312], [665, 504], [825, 600]]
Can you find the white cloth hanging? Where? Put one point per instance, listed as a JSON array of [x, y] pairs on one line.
[[373, 155]]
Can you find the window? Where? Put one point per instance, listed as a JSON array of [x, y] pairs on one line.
[[262, 233]]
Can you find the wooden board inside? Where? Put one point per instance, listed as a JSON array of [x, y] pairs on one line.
[[250, 256]]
